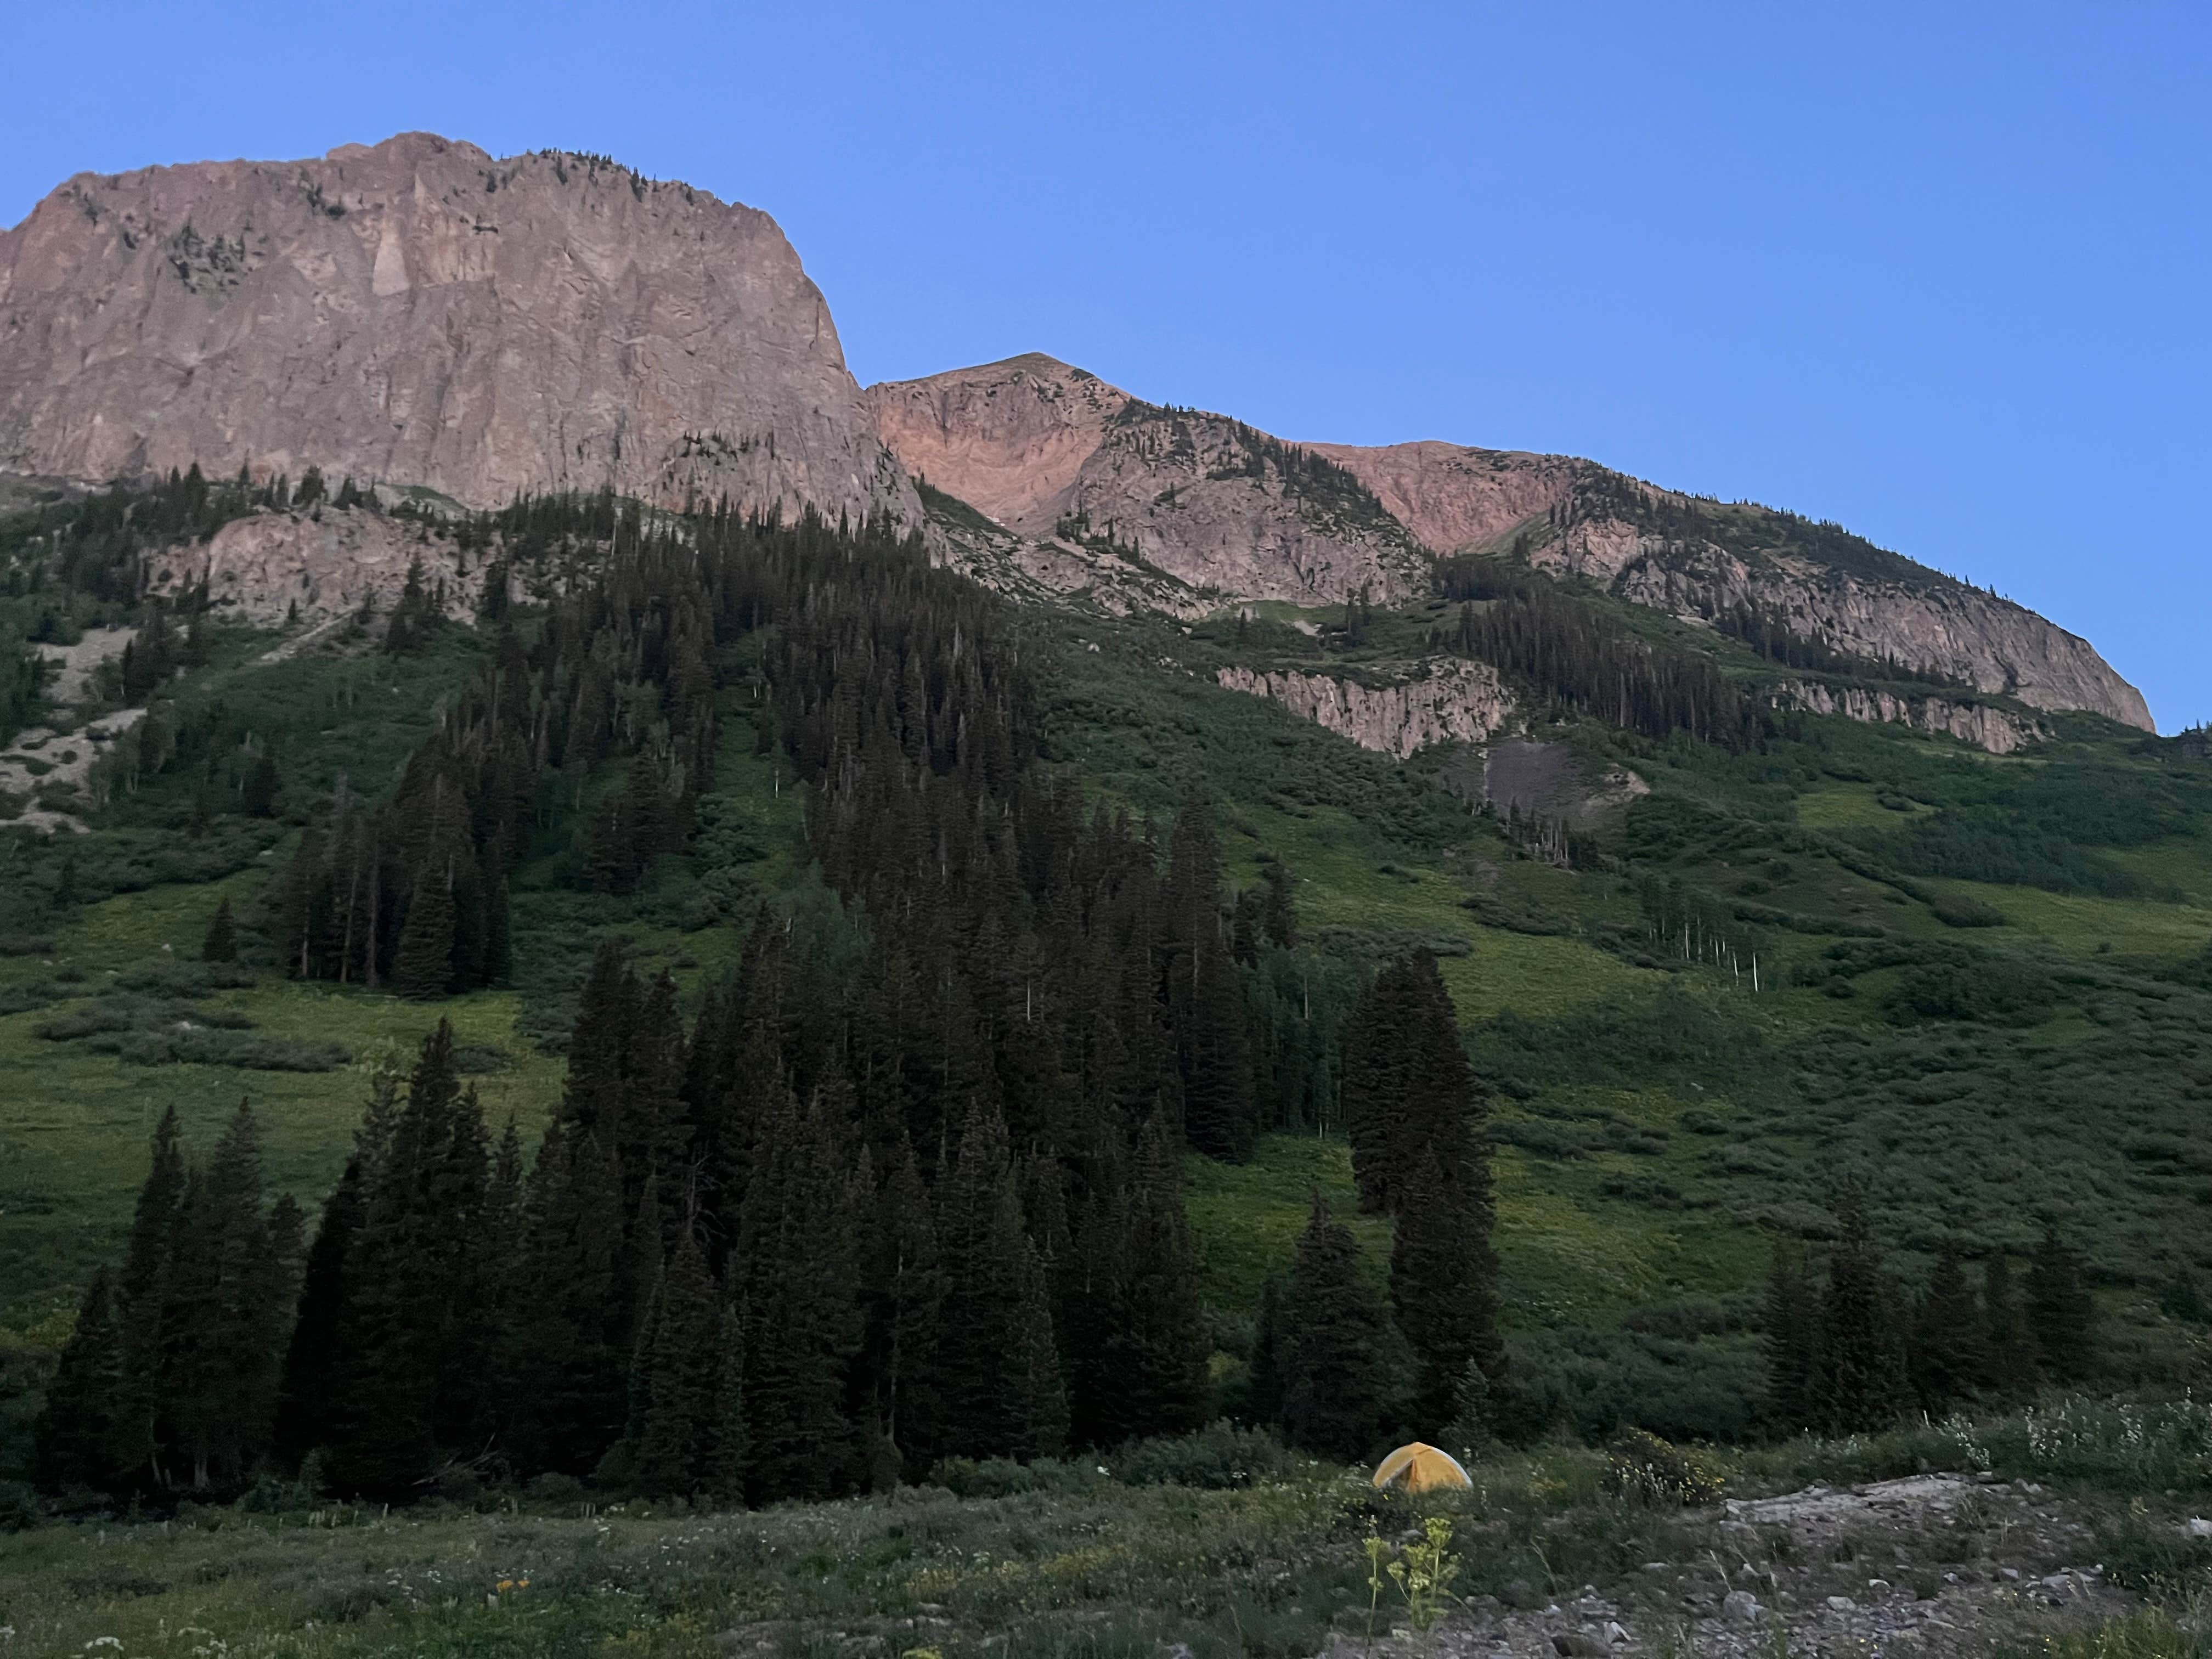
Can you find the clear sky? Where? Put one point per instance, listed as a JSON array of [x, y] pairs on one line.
[[1939, 272]]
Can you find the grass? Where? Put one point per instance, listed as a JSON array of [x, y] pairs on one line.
[[1092, 1567], [1082, 1564], [2079, 924]]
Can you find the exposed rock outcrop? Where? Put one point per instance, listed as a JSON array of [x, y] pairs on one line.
[[1996, 730], [1055, 454], [1935, 626], [1452, 700], [422, 314], [280, 570]]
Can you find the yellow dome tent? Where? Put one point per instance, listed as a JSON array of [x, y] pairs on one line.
[[1419, 1468]]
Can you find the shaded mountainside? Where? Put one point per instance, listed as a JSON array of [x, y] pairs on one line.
[[422, 314]]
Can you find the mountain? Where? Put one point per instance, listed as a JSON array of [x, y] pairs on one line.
[[1055, 454], [421, 315]]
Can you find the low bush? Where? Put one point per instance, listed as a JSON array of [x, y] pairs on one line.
[[1220, 1457], [1658, 1475]]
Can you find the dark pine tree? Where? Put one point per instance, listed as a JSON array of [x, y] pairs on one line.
[[1332, 1378], [2061, 1312], [1860, 1382], [1791, 1338], [414, 1330], [314, 1361], [1443, 1287], [75, 1441], [1950, 1350], [996, 1375], [2016, 1366], [678, 1376], [799, 1247]]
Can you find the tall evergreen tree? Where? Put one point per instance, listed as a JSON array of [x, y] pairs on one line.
[[77, 1436], [679, 1365], [1860, 1382], [1443, 1287], [2061, 1312], [1332, 1382], [2015, 1365], [799, 1250], [1950, 1353], [141, 1428], [995, 1374], [1791, 1337], [414, 1328], [314, 1361], [231, 1294]]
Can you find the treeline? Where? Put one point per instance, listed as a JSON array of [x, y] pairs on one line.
[[1580, 659], [1848, 1349], [1332, 1368], [711, 1286], [921, 1203], [1769, 633]]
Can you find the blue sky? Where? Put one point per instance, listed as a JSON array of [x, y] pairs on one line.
[[1937, 271]]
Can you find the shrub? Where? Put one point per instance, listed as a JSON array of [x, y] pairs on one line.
[[19, 1507], [1220, 1457], [1964, 912], [1658, 1475], [1002, 1477]]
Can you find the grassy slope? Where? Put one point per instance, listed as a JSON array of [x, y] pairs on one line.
[[1634, 1176]]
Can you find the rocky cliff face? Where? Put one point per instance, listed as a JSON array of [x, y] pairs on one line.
[[280, 570], [1996, 730], [1450, 700], [420, 313], [1929, 624], [1055, 454], [1058, 456]]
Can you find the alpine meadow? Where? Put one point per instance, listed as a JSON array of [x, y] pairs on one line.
[[652, 1002]]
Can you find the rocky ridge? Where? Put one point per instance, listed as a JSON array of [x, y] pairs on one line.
[[1447, 700], [1996, 730], [422, 314], [1058, 456]]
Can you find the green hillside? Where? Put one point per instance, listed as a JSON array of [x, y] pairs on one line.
[[1984, 991]]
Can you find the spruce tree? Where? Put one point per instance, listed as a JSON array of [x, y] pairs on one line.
[[313, 1360], [1791, 1338], [221, 943], [1161, 1347], [425, 966], [229, 1316], [1950, 1356], [1332, 1378], [1442, 1288], [76, 1439], [1376, 1087], [1860, 1382], [1270, 1340], [563, 1388], [141, 1428], [2061, 1312], [680, 1360], [996, 1395], [798, 1247], [2015, 1365], [414, 1330]]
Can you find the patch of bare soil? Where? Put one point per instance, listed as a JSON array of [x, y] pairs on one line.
[[1939, 1565]]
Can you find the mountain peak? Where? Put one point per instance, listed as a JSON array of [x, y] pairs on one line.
[[418, 314]]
